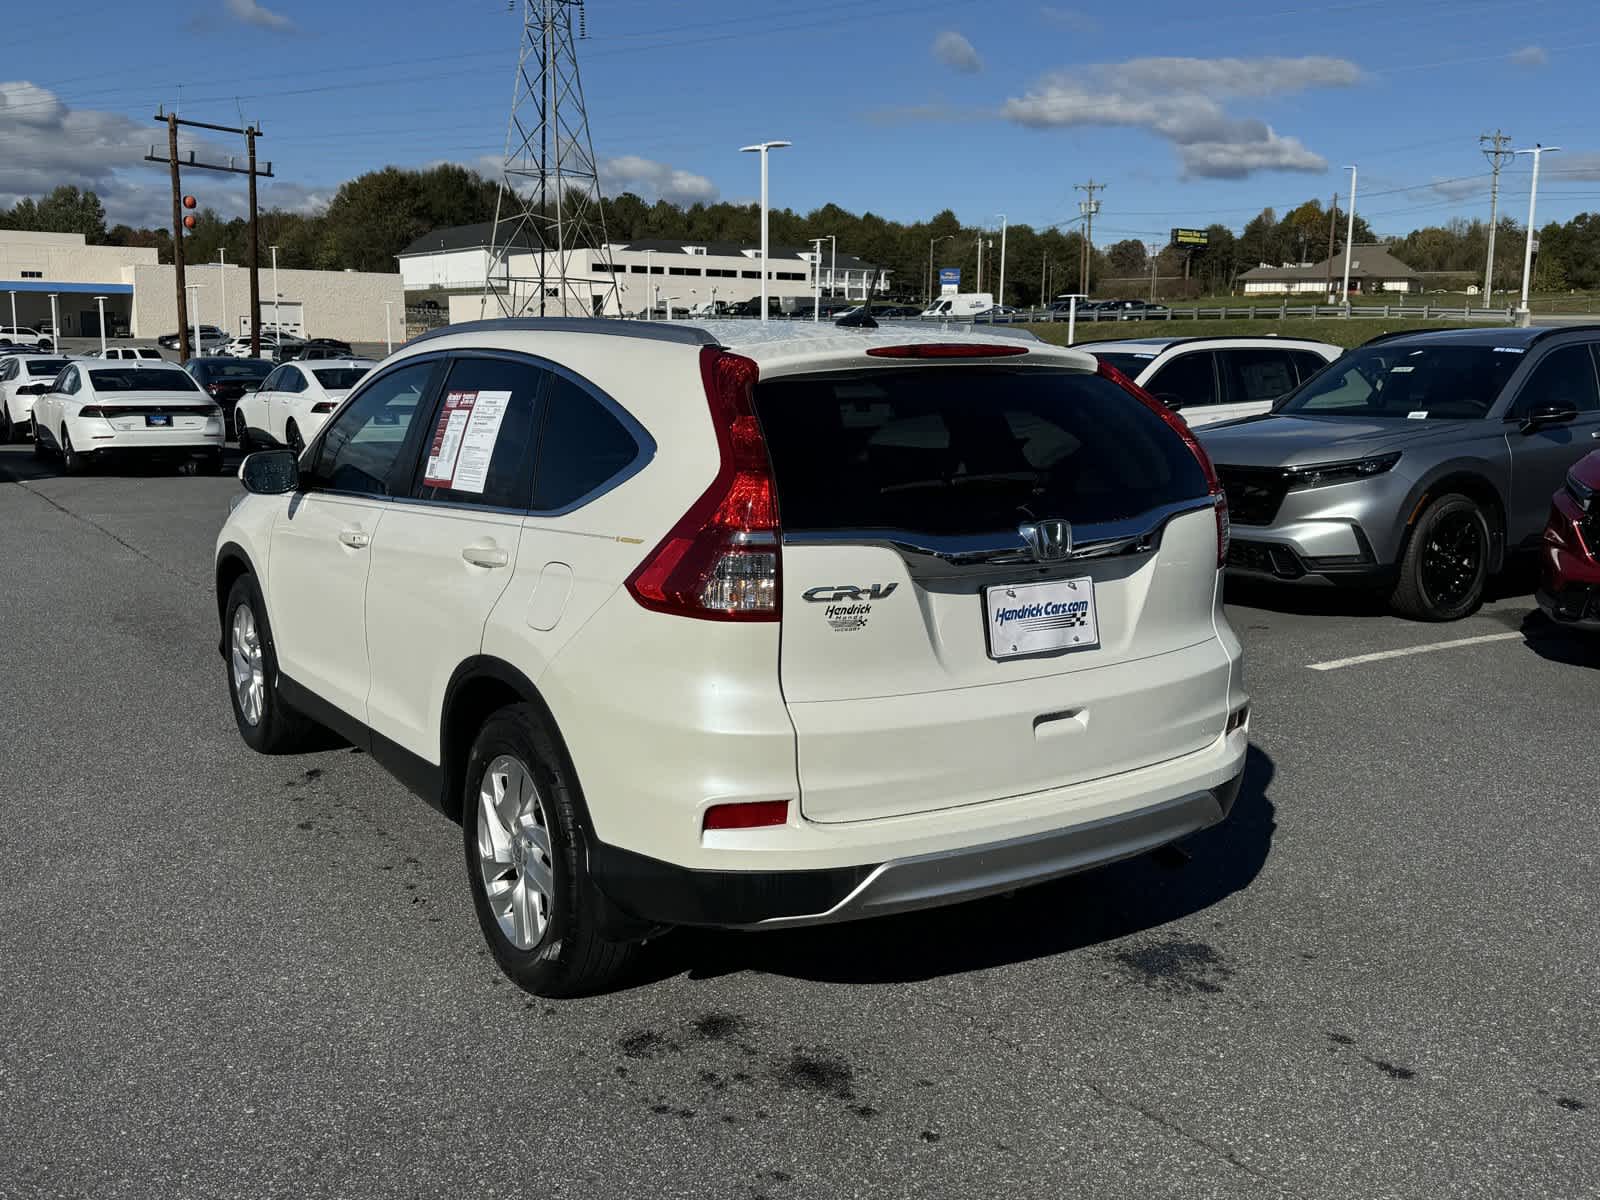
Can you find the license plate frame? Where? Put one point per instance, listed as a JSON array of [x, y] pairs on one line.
[[1037, 628]]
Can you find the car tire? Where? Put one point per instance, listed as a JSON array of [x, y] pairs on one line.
[[1445, 568], [242, 430], [291, 435], [40, 450], [266, 723], [542, 922], [8, 433], [72, 462]]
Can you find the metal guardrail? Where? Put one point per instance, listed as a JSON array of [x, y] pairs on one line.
[[1254, 312]]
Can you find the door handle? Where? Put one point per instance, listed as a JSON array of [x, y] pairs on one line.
[[485, 556], [356, 539]]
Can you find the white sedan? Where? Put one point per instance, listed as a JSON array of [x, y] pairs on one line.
[[145, 410], [23, 378], [293, 402]]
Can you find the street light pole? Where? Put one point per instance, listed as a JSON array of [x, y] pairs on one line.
[[1349, 236], [100, 303], [649, 289], [277, 326], [192, 304], [14, 317], [833, 264], [762, 148], [816, 282], [388, 334], [222, 282], [55, 324], [1001, 298], [1538, 152], [932, 242]]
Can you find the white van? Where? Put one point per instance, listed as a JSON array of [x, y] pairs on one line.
[[960, 306]]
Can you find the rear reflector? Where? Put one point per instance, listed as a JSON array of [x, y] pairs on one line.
[[756, 815], [945, 350]]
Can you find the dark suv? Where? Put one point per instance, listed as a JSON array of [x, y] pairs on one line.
[[1416, 462]]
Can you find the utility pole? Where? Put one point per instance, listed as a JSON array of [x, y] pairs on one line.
[[1494, 149], [1349, 237], [1087, 208], [250, 133], [1333, 219]]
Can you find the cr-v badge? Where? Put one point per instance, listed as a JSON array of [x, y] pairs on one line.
[[848, 607]]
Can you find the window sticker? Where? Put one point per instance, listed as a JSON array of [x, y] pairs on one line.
[[477, 443], [463, 440]]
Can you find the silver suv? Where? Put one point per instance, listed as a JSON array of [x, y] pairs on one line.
[[1415, 462]]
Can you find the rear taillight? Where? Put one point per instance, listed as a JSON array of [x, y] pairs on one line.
[[945, 350], [92, 410], [215, 389], [1179, 426], [324, 406], [720, 561]]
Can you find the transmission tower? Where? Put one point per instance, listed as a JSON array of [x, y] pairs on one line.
[[548, 222]]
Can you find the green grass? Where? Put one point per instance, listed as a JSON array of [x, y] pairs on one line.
[[1334, 330]]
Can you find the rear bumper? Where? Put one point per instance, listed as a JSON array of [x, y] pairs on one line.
[[663, 893]]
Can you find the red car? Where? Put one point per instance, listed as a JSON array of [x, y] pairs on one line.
[[1569, 584]]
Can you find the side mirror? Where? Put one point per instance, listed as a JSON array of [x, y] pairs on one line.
[[1171, 399], [1548, 414], [270, 473]]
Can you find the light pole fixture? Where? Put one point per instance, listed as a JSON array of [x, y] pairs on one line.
[[762, 148], [1538, 152]]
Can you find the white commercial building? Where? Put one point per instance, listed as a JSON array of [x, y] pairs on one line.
[[141, 294], [1372, 269], [646, 272]]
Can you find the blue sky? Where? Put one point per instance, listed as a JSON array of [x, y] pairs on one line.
[[1190, 113]]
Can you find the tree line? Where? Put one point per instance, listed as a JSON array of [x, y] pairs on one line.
[[376, 215]]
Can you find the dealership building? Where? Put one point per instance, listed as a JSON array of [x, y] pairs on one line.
[[1372, 269], [140, 295], [643, 271]]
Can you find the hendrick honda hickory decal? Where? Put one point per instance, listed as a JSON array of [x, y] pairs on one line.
[[848, 606]]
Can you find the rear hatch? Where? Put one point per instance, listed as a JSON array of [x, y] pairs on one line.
[[938, 647]]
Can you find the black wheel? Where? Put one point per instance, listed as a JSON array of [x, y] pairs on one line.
[[72, 462], [292, 436], [7, 433], [526, 867], [40, 450], [266, 723], [242, 429], [1446, 564]]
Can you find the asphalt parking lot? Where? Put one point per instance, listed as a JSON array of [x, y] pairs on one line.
[[227, 975]]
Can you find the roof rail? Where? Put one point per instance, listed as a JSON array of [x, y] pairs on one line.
[[655, 331], [1184, 339]]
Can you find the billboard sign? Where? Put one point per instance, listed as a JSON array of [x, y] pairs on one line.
[[949, 279], [1191, 237]]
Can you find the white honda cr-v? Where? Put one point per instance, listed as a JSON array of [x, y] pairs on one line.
[[745, 625]]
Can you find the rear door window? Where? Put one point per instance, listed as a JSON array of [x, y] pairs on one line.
[[1188, 379], [956, 451], [1307, 363], [1256, 375], [586, 447], [481, 445]]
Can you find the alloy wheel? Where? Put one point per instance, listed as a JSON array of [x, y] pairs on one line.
[[249, 678], [514, 855], [1453, 558]]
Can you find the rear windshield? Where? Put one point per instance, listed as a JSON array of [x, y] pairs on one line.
[[243, 368], [1129, 364], [963, 450], [1407, 381], [45, 366], [339, 379], [141, 379]]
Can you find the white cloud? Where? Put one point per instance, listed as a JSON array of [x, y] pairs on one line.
[[955, 52], [1458, 189], [44, 144], [1529, 56], [1070, 19], [651, 180], [251, 13], [1179, 99]]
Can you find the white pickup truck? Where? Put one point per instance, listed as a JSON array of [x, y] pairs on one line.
[[21, 335]]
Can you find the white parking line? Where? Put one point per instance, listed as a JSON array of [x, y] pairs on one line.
[[1358, 659]]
